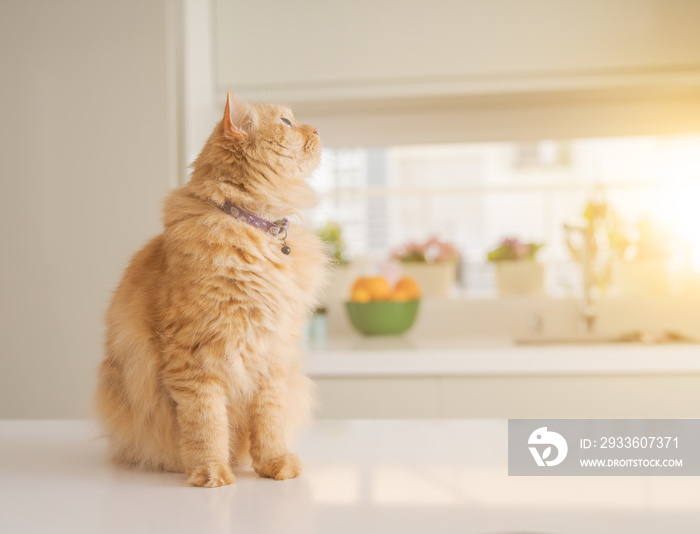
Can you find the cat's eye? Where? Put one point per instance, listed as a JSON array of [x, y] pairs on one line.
[[286, 121]]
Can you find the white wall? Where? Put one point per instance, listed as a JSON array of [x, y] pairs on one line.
[[88, 136], [202, 108]]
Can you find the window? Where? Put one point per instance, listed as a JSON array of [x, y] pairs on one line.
[[476, 194]]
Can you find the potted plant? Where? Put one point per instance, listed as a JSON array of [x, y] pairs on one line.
[[342, 272], [517, 272], [433, 264]]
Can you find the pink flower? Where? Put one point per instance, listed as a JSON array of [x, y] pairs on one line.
[[432, 251]]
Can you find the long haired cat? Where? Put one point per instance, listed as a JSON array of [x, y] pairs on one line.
[[203, 366]]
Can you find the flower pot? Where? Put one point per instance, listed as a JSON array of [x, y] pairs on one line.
[[435, 279], [519, 278]]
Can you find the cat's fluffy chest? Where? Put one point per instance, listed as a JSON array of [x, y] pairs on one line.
[[232, 287], [258, 289], [256, 264]]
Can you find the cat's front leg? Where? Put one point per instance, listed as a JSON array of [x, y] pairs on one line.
[[203, 421], [267, 430]]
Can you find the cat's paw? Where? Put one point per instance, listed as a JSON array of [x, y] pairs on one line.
[[210, 475], [282, 468]]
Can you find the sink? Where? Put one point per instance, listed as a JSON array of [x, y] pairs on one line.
[[642, 337]]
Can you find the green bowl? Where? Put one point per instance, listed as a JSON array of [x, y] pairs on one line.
[[382, 318]]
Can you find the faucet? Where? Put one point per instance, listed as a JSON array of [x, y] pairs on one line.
[[584, 254]]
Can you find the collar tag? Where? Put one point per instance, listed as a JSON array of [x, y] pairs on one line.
[[277, 229]]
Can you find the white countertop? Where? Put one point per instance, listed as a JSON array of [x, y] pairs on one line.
[[399, 356], [380, 476]]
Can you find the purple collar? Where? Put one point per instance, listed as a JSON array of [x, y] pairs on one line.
[[278, 228]]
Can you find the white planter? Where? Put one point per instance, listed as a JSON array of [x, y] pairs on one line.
[[515, 278], [435, 279], [648, 278]]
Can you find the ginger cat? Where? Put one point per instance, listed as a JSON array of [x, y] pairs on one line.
[[203, 369]]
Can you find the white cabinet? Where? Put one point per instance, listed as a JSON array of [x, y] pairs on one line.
[[441, 378], [389, 72], [520, 397], [320, 50]]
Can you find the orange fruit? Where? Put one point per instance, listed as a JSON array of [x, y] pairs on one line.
[[399, 295], [360, 294], [379, 288], [408, 286], [360, 282]]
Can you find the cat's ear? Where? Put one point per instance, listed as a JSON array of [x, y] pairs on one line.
[[233, 118]]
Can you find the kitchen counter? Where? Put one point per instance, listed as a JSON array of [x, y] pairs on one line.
[[361, 476], [444, 377], [399, 356]]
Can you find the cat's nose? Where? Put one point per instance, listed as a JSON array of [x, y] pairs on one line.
[[315, 131]]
